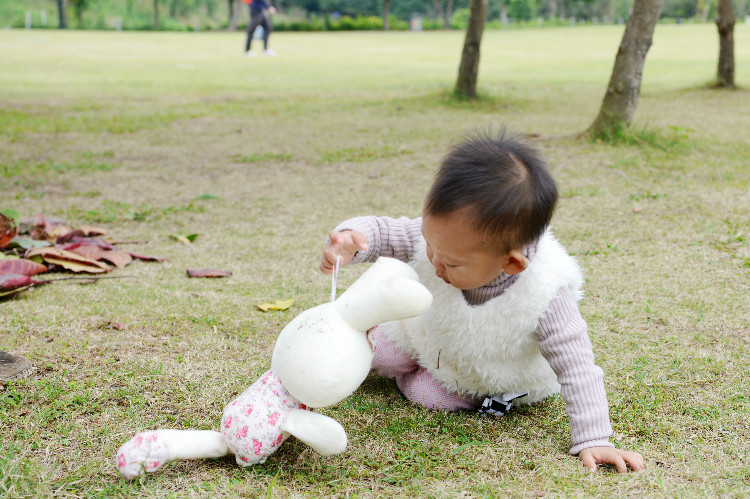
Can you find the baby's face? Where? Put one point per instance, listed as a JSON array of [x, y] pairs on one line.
[[462, 256]]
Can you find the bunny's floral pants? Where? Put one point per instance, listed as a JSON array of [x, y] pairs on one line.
[[251, 423]]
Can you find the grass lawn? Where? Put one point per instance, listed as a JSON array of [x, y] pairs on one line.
[[159, 134]]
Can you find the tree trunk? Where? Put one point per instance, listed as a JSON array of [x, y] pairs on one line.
[[621, 99], [232, 15], [79, 19], [703, 7], [466, 86], [61, 14], [448, 14], [386, 14], [156, 14], [438, 6], [552, 9], [725, 23], [608, 12]]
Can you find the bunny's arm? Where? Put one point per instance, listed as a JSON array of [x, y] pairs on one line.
[[323, 434]]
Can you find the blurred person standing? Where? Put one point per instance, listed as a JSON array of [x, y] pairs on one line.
[[258, 17]]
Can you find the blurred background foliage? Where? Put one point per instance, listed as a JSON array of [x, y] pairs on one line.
[[317, 15]]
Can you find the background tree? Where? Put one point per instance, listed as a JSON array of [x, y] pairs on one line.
[[607, 9], [233, 11], [386, 14], [704, 9], [621, 99], [447, 13], [156, 14], [80, 7], [61, 14], [725, 23], [443, 10], [468, 70]]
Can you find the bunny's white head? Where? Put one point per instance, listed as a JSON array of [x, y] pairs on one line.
[[323, 355]]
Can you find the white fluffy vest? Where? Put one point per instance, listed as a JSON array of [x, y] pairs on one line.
[[491, 348]]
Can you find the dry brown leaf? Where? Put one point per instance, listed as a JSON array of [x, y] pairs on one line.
[[21, 266], [118, 258], [209, 273], [90, 230], [69, 260], [89, 251], [8, 230], [59, 231]]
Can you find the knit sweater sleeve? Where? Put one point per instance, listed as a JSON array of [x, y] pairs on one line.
[[386, 236], [564, 342]]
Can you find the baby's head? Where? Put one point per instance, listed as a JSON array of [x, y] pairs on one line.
[[492, 196]]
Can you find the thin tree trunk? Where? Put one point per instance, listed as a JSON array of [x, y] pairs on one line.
[[61, 14], [156, 14], [386, 14], [448, 14], [79, 16], [608, 12], [703, 7], [232, 15], [621, 99], [438, 6], [725, 23], [468, 71]]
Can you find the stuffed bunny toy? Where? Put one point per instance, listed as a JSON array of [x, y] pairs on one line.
[[319, 359]]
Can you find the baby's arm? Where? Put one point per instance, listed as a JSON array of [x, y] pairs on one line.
[[365, 239], [564, 342]]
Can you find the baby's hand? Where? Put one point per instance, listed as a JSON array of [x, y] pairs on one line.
[[344, 244], [592, 456]]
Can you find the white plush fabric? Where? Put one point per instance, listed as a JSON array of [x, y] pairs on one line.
[[491, 348]]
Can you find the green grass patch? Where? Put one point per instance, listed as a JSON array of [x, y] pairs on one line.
[[28, 169], [18, 124], [262, 157], [673, 139]]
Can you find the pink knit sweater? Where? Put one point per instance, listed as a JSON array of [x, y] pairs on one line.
[[563, 338]]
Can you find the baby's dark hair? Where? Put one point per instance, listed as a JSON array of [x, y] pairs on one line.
[[503, 181]]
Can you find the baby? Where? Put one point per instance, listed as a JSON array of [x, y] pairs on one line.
[[504, 327]]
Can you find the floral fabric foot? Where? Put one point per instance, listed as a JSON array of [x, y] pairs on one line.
[[144, 453]]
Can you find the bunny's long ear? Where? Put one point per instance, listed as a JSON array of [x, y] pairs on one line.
[[388, 291]]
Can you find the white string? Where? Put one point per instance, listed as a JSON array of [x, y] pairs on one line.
[[335, 277]]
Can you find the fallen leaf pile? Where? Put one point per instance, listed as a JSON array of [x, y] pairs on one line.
[[41, 244]]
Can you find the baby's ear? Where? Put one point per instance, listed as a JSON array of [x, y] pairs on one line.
[[517, 262]]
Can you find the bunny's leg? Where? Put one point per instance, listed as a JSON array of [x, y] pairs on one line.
[[149, 451], [323, 434]]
